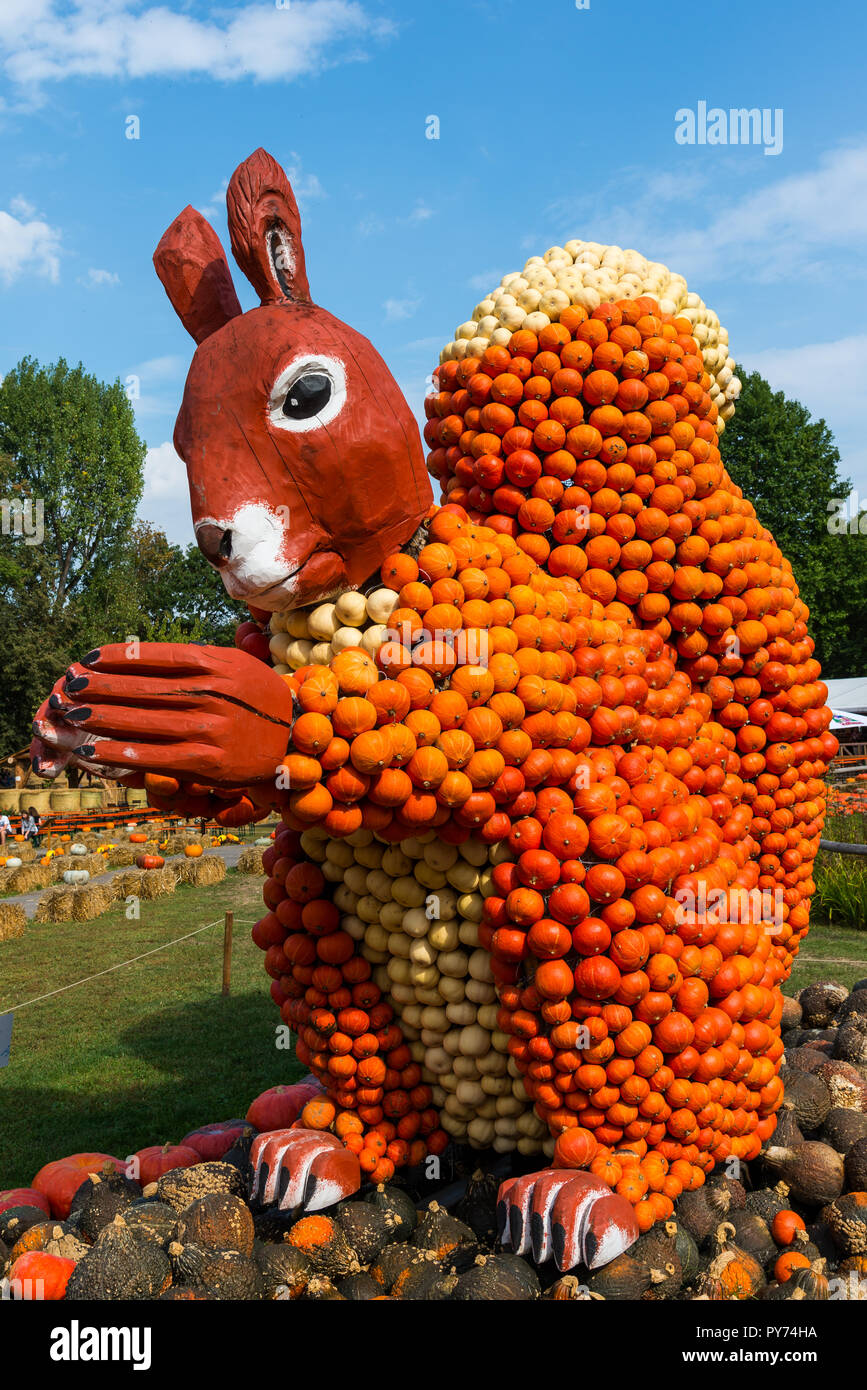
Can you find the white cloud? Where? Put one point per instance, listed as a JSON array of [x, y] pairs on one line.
[[96, 278], [157, 385], [371, 225], [165, 476], [486, 281], [828, 379], [28, 245], [304, 186], [789, 226], [45, 41], [166, 500], [21, 207], [400, 308], [216, 204], [166, 368], [431, 344]]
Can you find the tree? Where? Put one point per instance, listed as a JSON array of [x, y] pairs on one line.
[[71, 468], [787, 465], [179, 597], [76, 568], [73, 450]]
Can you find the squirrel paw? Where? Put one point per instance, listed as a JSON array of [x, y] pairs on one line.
[[309, 1168], [565, 1213]]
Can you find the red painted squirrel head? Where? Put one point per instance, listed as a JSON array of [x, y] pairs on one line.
[[304, 460]]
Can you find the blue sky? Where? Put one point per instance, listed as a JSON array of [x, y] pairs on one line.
[[554, 121]]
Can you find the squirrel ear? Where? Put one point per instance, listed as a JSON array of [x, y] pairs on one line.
[[195, 274], [265, 229]]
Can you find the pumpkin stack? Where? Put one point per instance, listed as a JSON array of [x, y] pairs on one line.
[[555, 788]]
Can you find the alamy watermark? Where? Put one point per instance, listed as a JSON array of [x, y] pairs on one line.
[[737, 126], [23, 518], [847, 516]]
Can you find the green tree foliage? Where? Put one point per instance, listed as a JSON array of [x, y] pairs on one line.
[[787, 465], [80, 570], [73, 447], [179, 597]]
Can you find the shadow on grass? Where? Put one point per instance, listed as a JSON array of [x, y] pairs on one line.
[[178, 1068]]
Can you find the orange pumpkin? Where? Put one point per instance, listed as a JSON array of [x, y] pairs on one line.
[[370, 752], [354, 670], [36, 1275], [149, 1164], [59, 1180], [150, 861], [352, 715]]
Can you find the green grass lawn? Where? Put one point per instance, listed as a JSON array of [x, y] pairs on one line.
[[824, 949], [146, 1053], [850, 829]]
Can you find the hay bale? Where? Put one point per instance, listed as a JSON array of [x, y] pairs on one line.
[[30, 877], [90, 901], [177, 843], [156, 883], [250, 861], [55, 905], [121, 858], [202, 872], [94, 863], [13, 920], [5, 875], [127, 885], [25, 852]]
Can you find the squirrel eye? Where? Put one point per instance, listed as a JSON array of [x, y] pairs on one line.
[[308, 396]]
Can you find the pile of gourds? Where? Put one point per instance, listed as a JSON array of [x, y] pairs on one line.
[[582, 707], [587, 274]]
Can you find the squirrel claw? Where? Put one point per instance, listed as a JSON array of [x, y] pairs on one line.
[[307, 1168], [565, 1213]]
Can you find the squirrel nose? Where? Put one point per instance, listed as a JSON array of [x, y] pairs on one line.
[[214, 543]]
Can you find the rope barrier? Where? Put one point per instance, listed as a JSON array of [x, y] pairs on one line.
[[827, 960], [120, 965]]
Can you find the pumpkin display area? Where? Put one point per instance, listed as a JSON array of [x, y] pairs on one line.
[[793, 1227], [64, 868], [554, 784], [151, 878]]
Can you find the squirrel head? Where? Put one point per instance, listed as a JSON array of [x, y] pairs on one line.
[[304, 461]]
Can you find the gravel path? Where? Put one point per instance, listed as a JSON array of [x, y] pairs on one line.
[[231, 854]]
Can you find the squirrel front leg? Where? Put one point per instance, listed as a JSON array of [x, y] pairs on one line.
[[209, 725]]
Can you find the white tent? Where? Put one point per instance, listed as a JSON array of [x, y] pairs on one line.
[[845, 719], [848, 695]]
